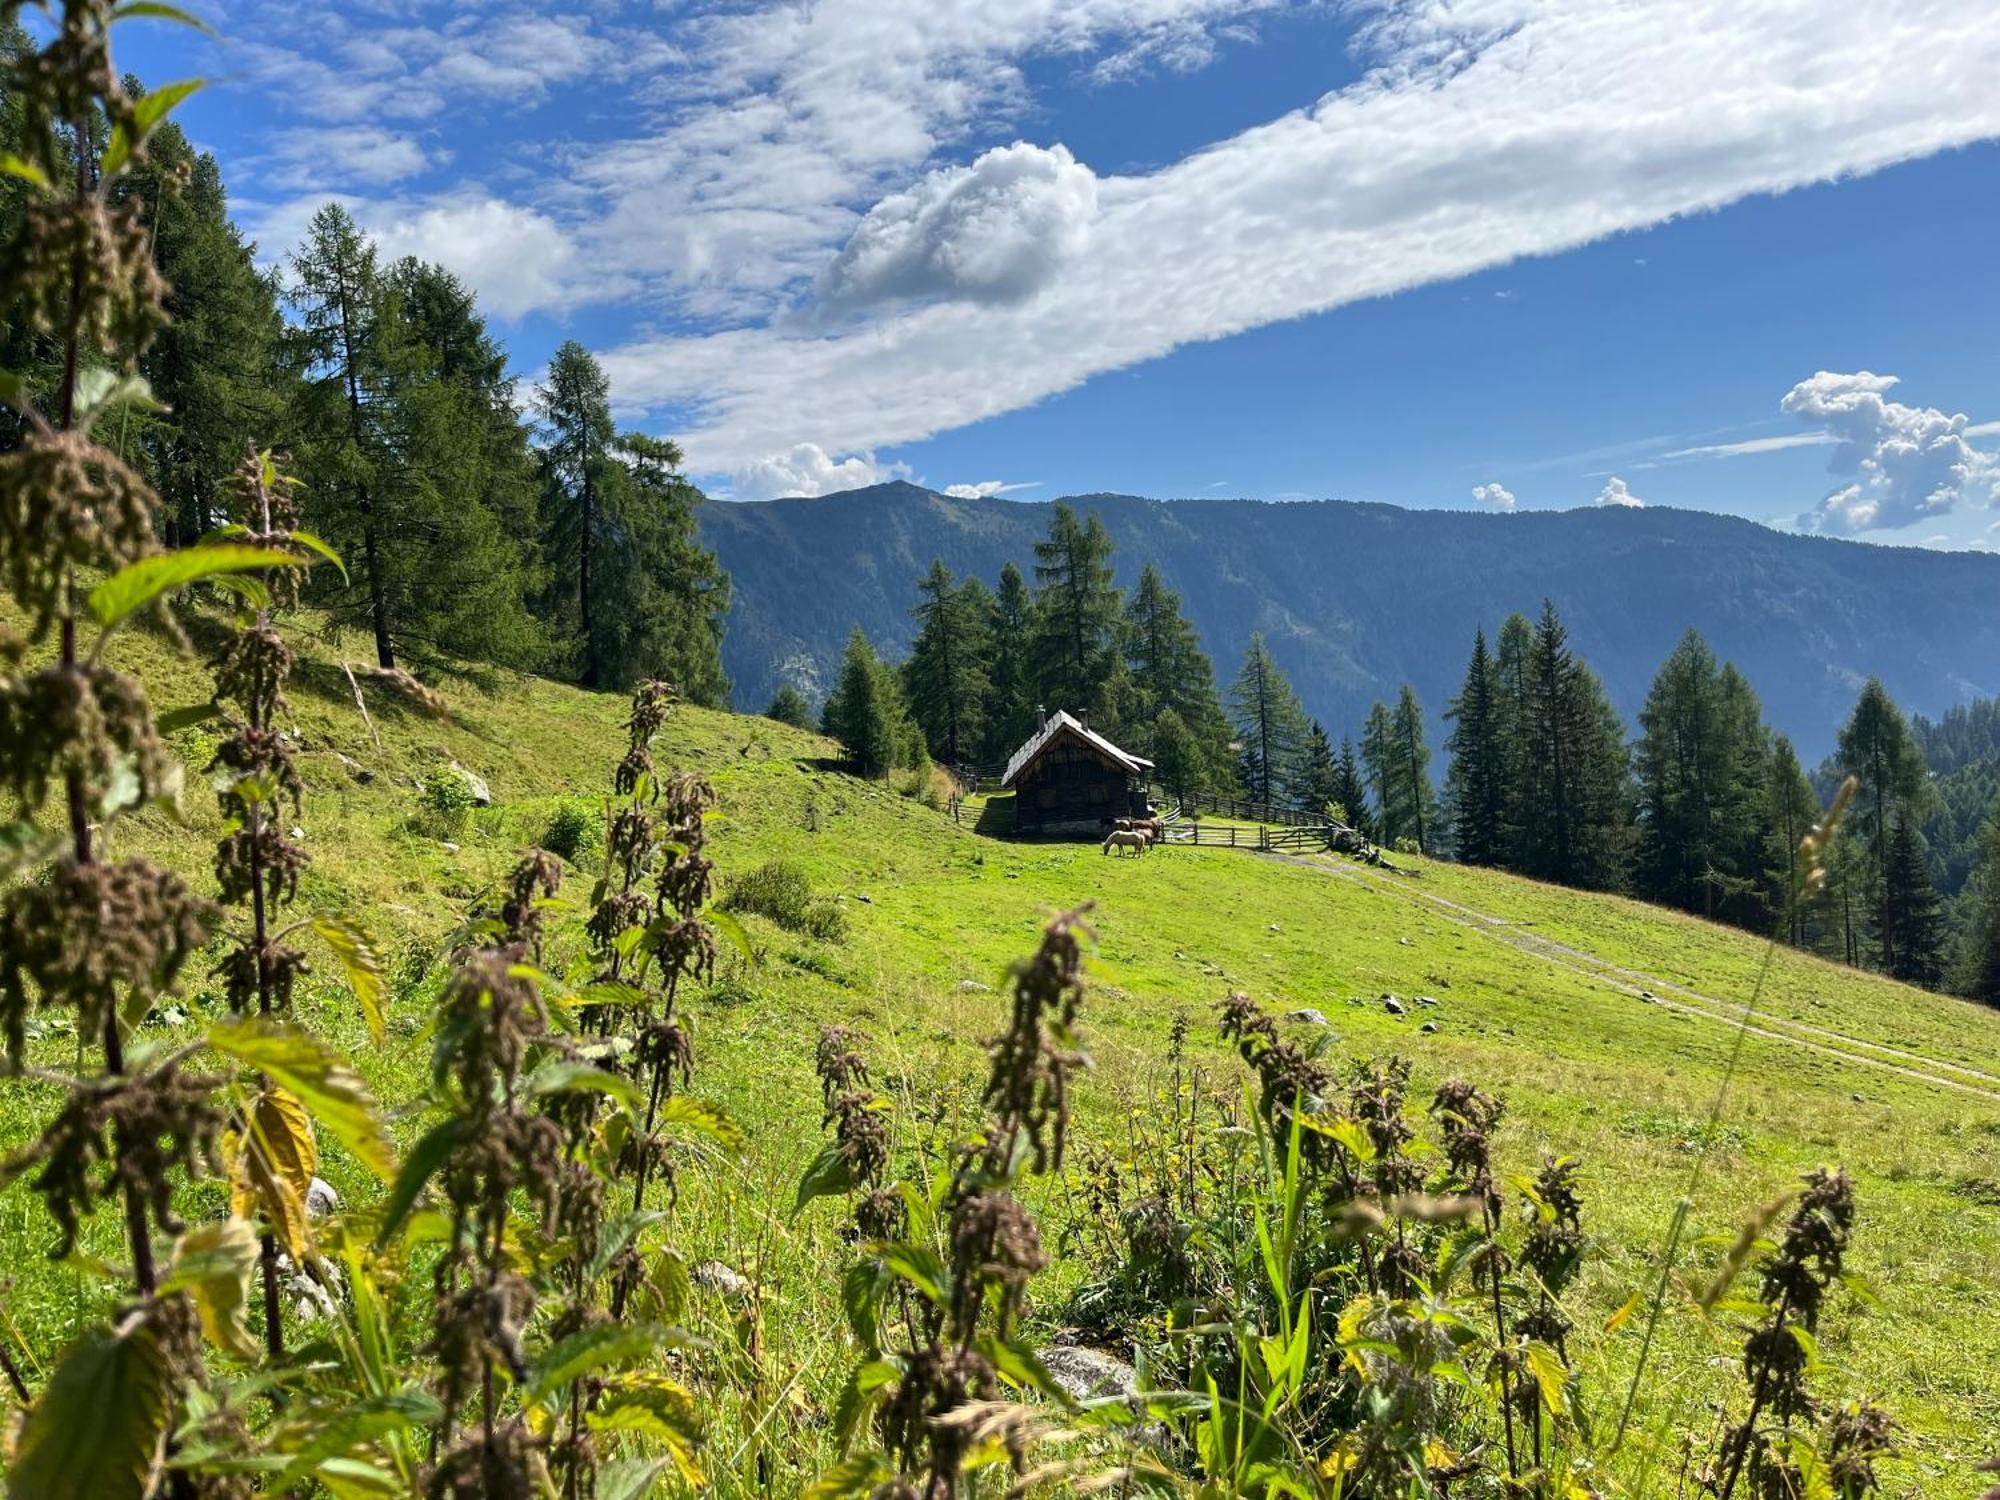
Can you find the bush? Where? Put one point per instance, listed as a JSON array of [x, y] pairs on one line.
[[446, 802], [573, 831], [783, 892]]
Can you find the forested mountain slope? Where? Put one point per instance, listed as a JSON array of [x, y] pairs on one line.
[[1358, 598]]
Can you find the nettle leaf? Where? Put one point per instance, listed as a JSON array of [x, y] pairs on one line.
[[138, 584], [830, 1173], [703, 1119], [346, 1433], [99, 391], [319, 1075], [418, 1168], [147, 111], [1550, 1376], [312, 543], [589, 1349], [271, 1165], [136, 10], [629, 1478], [361, 964], [654, 1406], [852, 1477], [95, 1433], [13, 165], [212, 1264], [563, 1076], [23, 846], [615, 1236]]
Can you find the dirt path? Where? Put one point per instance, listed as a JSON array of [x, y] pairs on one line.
[[1670, 996]]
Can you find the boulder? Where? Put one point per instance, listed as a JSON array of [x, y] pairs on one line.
[[1394, 1006], [321, 1199], [1087, 1374], [482, 795], [1309, 1016], [714, 1276]]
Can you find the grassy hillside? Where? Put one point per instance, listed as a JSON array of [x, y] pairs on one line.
[[1606, 1025]]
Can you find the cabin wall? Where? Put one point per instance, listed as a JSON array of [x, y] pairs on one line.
[[1070, 785]]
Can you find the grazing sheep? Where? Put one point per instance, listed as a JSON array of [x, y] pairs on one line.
[[1123, 839]]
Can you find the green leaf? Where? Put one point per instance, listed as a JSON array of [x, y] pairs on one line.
[[96, 1430], [362, 965], [703, 1119], [659, 1408], [830, 1173], [99, 390], [562, 1076], [176, 719], [726, 924], [852, 1477], [138, 584], [341, 1435], [313, 544], [1550, 1376], [629, 1478], [319, 1075], [615, 1236], [862, 1289], [611, 992], [212, 1264], [593, 1349], [19, 166], [136, 10], [419, 1167], [922, 1267]]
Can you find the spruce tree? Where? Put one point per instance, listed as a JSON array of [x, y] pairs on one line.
[[1319, 773], [1378, 760], [1512, 656], [577, 434], [1790, 811], [859, 712], [1476, 784], [1910, 925], [1413, 774], [1270, 725], [1078, 619], [1169, 672], [1876, 748], [945, 678], [1576, 827], [1350, 792], [1010, 701], [1979, 960], [789, 706]]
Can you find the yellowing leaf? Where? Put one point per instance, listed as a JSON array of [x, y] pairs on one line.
[[212, 1264], [95, 1431], [272, 1163], [362, 965], [319, 1075], [1618, 1319]]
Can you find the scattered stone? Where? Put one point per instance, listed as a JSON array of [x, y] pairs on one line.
[[716, 1277], [1429, 1028], [1406, 942], [448, 846], [1859, 1100], [321, 1199], [298, 834], [1274, 927], [1649, 997], [864, 898], [1309, 1016], [1179, 957], [312, 1301], [482, 794], [1427, 1000], [354, 768], [1089, 1374], [1394, 1006], [973, 987]]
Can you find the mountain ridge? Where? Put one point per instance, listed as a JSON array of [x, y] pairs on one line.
[[1338, 587]]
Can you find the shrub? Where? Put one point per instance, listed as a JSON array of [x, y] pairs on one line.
[[445, 803], [783, 892], [573, 831]]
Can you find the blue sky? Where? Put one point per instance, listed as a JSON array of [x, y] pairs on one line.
[[1725, 254]]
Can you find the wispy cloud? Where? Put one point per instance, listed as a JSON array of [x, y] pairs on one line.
[[1776, 444]]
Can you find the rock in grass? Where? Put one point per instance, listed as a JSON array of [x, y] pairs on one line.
[[1394, 1006], [321, 1199], [1309, 1016], [714, 1276], [1089, 1374], [482, 794], [1429, 1028]]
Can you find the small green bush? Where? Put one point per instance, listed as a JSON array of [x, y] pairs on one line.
[[783, 892], [573, 831], [446, 801]]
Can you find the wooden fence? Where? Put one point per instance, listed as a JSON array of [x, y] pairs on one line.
[[1301, 839]]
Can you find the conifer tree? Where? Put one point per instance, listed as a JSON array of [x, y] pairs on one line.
[[1476, 784], [661, 595], [1078, 617], [1169, 672], [575, 407], [859, 713], [1010, 700], [1270, 725], [1577, 813], [945, 678], [1413, 761], [337, 294], [1790, 811], [1511, 658], [1378, 760], [1177, 756], [1979, 962], [1875, 747], [789, 706], [1319, 772], [1350, 792], [1909, 928]]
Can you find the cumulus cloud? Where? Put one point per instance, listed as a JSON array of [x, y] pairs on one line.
[[346, 156], [996, 231], [1484, 132], [986, 488], [1616, 493], [1494, 494], [806, 469], [1907, 463], [514, 257]]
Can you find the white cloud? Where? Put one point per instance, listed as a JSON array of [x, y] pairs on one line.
[[329, 156], [806, 469], [1616, 493], [1776, 444], [996, 231], [1485, 131], [1908, 463], [1494, 494], [986, 488]]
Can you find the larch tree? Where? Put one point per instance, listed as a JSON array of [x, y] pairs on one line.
[[336, 294], [1476, 783], [1790, 811], [577, 436], [1270, 725], [1979, 960], [1319, 771], [1413, 763], [945, 677]]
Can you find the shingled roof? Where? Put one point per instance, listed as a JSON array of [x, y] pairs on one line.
[[1059, 723]]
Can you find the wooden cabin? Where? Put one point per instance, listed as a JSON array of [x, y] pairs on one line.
[[1068, 779]]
